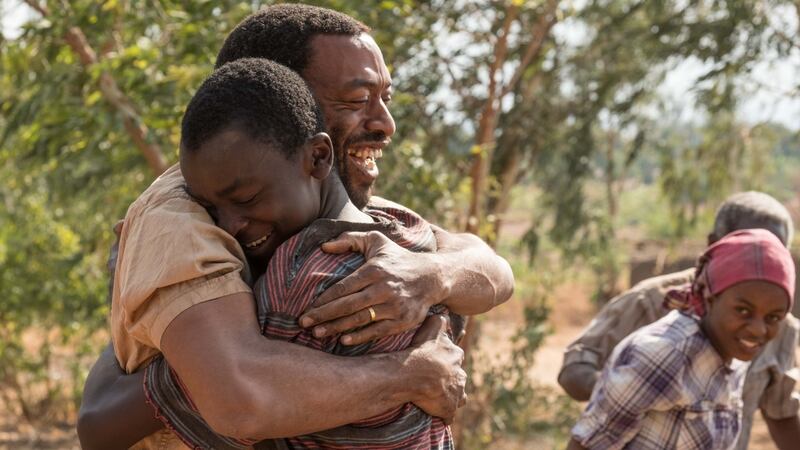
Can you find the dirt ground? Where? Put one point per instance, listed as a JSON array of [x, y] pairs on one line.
[[572, 310]]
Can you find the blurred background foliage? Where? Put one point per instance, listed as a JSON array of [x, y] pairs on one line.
[[545, 113]]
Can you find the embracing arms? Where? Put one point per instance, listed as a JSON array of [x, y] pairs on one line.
[[465, 275], [247, 386], [250, 387]]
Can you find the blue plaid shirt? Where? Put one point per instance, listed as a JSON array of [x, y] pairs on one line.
[[665, 387]]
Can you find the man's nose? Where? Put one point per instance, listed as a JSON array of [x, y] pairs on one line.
[[231, 222], [380, 119]]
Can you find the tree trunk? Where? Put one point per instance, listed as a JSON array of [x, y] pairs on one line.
[[611, 274], [507, 180]]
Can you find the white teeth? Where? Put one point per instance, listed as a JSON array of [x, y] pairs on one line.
[[373, 153], [748, 344], [257, 242]]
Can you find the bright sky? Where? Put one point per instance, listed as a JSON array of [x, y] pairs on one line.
[[766, 99], [13, 13]]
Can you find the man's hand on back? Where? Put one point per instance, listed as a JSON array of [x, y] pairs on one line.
[[399, 285], [396, 287], [444, 389]]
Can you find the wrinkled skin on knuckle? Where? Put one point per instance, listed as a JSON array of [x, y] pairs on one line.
[[407, 316], [374, 272], [338, 289], [381, 294], [373, 235], [460, 352], [397, 328], [354, 307]]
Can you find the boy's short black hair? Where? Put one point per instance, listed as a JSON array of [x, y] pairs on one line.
[[257, 96], [283, 33]]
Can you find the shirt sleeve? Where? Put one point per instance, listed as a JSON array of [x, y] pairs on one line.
[[779, 399], [622, 316], [171, 257], [643, 377]]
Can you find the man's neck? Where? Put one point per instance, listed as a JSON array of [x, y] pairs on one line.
[[335, 204]]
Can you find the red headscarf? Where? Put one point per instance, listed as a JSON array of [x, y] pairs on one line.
[[743, 255]]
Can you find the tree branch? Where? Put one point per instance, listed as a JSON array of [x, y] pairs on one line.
[[132, 121], [540, 33], [500, 51]]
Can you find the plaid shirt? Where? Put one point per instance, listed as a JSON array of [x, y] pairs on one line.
[[665, 387], [770, 381]]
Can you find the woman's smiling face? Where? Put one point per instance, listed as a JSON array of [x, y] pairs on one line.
[[744, 317], [253, 191]]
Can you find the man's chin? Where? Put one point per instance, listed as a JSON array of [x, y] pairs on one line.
[[359, 194], [359, 184]]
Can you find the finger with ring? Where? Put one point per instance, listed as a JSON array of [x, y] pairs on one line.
[[371, 314]]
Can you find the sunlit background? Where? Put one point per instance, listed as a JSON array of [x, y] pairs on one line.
[[588, 141]]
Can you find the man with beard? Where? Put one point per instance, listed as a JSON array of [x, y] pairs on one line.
[[188, 300]]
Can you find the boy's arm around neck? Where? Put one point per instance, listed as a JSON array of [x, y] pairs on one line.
[[247, 386]]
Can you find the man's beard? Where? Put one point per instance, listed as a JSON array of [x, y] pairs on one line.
[[359, 193]]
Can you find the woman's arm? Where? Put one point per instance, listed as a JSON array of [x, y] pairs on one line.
[[114, 413], [785, 432]]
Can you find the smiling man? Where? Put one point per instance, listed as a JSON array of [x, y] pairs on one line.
[[180, 284], [359, 60]]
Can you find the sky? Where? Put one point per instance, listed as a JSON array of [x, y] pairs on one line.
[[766, 92]]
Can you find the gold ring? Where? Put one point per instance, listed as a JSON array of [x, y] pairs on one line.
[[371, 314]]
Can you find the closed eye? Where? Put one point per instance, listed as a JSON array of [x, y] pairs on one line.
[[246, 201]]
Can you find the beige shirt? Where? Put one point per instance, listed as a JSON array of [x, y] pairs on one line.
[[171, 257], [770, 381]]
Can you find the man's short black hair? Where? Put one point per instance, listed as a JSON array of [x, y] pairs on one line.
[[283, 34], [262, 98]]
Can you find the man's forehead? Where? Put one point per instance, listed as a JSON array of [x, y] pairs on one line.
[[346, 61], [322, 43]]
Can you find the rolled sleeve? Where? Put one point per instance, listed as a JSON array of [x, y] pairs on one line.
[[171, 257], [169, 302], [620, 317]]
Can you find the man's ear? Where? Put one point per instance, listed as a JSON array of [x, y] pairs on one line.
[[319, 155]]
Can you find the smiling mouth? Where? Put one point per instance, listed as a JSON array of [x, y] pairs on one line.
[[750, 345], [365, 158], [257, 242]]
